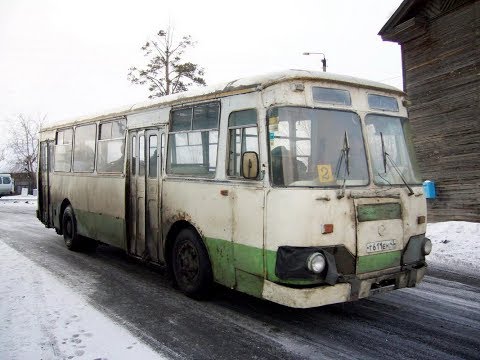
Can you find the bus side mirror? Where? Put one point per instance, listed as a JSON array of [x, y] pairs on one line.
[[250, 165]]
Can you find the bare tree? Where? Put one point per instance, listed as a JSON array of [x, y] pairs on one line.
[[166, 73], [21, 149]]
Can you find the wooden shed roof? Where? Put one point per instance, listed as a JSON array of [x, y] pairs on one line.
[[412, 16]]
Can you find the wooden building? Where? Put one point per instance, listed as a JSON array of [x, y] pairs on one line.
[[440, 45], [24, 180]]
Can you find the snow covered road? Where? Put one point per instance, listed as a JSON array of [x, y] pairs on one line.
[[121, 302], [43, 318]]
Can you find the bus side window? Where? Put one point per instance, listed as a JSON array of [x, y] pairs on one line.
[[84, 148], [63, 150], [111, 146], [243, 136], [193, 140]]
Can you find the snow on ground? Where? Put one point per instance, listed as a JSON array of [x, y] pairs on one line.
[[19, 199], [40, 318], [456, 246]]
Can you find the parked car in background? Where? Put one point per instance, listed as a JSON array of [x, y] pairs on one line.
[[6, 184]]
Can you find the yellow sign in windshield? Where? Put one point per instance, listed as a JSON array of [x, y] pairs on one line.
[[325, 173]]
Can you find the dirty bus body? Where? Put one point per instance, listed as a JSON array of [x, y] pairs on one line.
[[297, 187]]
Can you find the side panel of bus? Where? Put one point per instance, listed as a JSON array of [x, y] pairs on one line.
[[226, 211]]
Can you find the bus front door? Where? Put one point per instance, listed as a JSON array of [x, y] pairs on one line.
[[144, 195]]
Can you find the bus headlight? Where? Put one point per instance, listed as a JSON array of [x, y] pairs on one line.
[[427, 247], [316, 263]]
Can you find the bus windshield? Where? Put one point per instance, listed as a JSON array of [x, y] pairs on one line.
[[391, 150], [316, 148]]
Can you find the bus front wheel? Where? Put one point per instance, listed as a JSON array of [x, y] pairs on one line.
[[191, 266]]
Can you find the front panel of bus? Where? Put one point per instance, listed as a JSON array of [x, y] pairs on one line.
[[345, 208]]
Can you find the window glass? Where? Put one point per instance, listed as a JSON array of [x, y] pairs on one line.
[[331, 96], [59, 138], [110, 156], [194, 152], [391, 150], [241, 139], [153, 156], [6, 180], [63, 150], [44, 157], [141, 156], [205, 116], [181, 119], [134, 154], [67, 136], [118, 128], [316, 148], [111, 146], [106, 131], [243, 118], [163, 150], [382, 102], [112, 129], [84, 149]]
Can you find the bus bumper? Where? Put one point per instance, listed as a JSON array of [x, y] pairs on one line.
[[354, 289]]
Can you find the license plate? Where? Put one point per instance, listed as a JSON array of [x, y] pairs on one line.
[[377, 246]]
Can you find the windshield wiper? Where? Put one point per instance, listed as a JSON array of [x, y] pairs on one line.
[[386, 155], [345, 154]]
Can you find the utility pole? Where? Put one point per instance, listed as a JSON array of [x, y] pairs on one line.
[[324, 60]]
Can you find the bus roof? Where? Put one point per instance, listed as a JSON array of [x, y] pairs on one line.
[[242, 85]]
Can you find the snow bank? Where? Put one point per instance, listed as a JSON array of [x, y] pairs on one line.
[[16, 199], [40, 318], [456, 246]]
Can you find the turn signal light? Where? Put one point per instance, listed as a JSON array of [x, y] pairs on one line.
[[327, 228], [421, 220]]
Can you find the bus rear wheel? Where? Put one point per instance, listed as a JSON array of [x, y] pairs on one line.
[[191, 266], [69, 227]]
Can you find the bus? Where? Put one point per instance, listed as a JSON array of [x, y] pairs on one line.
[[297, 187]]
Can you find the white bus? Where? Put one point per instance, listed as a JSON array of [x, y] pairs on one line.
[[297, 187]]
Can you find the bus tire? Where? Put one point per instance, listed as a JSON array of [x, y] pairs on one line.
[[191, 265], [69, 229]]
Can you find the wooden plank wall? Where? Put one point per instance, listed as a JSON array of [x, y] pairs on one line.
[[442, 77]]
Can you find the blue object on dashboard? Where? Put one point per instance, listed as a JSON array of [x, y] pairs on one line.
[[429, 189]]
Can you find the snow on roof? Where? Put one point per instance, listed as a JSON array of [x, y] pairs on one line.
[[246, 84]]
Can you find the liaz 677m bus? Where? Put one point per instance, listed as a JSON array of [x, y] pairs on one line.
[[297, 187]]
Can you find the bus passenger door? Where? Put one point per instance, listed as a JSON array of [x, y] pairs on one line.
[[136, 211], [45, 167], [153, 183], [144, 194]]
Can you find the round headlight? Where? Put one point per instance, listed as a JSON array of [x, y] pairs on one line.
[[427, 247], [316, 263]]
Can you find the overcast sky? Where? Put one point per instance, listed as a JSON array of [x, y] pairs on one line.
[[71, 58]]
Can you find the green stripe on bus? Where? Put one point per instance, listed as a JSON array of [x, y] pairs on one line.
[[249, 284], [108, 229], [231, 262], [376, 262], [373, 212], [221, 257]]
